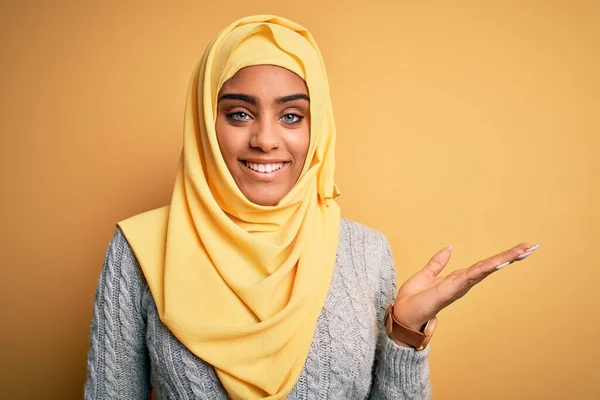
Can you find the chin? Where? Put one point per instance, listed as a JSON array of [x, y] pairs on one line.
[[264, 199]]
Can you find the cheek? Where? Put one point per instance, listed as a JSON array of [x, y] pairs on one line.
[[226, 139], [300, 144]]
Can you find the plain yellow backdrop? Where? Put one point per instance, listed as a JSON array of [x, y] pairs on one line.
[[475, 123]]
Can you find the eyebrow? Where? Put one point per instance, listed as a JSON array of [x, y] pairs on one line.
[[292, 97], [238, 96], [254, 101]]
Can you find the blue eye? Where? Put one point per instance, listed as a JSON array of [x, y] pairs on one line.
[[291, 118], [238, 116]]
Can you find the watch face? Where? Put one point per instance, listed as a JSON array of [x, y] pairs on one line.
[[430, 327]]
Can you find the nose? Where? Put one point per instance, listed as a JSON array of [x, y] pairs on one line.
[[265, 137]]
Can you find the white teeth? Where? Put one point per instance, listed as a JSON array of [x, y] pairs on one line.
[[264, 167]]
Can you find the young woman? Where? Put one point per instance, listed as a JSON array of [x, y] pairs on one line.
[[250, 285]]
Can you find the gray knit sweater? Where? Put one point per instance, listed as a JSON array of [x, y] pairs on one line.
[[132, 351]]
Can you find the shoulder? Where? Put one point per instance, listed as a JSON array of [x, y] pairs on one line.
[[121, 264], [119, 250], [362, 237], [364, 248]]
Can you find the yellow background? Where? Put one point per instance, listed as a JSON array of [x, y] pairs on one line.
[[471, 123]]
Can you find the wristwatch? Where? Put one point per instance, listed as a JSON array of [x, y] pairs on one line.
[[416, 339]]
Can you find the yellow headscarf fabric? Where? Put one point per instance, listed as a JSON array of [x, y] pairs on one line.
[[239, 284]]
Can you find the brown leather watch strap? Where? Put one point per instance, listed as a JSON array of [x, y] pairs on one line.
[[404, 334]]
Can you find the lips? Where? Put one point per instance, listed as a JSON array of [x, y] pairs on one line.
[[264, 168], [264, 171]]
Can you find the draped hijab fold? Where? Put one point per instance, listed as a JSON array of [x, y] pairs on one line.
[[239, 284]]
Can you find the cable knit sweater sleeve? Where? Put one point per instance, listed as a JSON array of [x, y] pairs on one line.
[[399, 372], [118, 363]]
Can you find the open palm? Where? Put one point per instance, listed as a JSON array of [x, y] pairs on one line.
[[426, 293]]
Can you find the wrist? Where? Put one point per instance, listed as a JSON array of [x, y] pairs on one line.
[[412, 323], [414, 327], [407, 336]]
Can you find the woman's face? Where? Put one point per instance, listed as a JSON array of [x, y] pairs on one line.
[[263, 129]]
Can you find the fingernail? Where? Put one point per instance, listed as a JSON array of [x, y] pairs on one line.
[[451, 247], [533, 248], [524, 255], [503, 265]]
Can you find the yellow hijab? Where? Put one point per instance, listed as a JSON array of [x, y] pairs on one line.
[[239, 284]]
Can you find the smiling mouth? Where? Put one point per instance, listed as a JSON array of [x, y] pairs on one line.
[[264, 168]]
